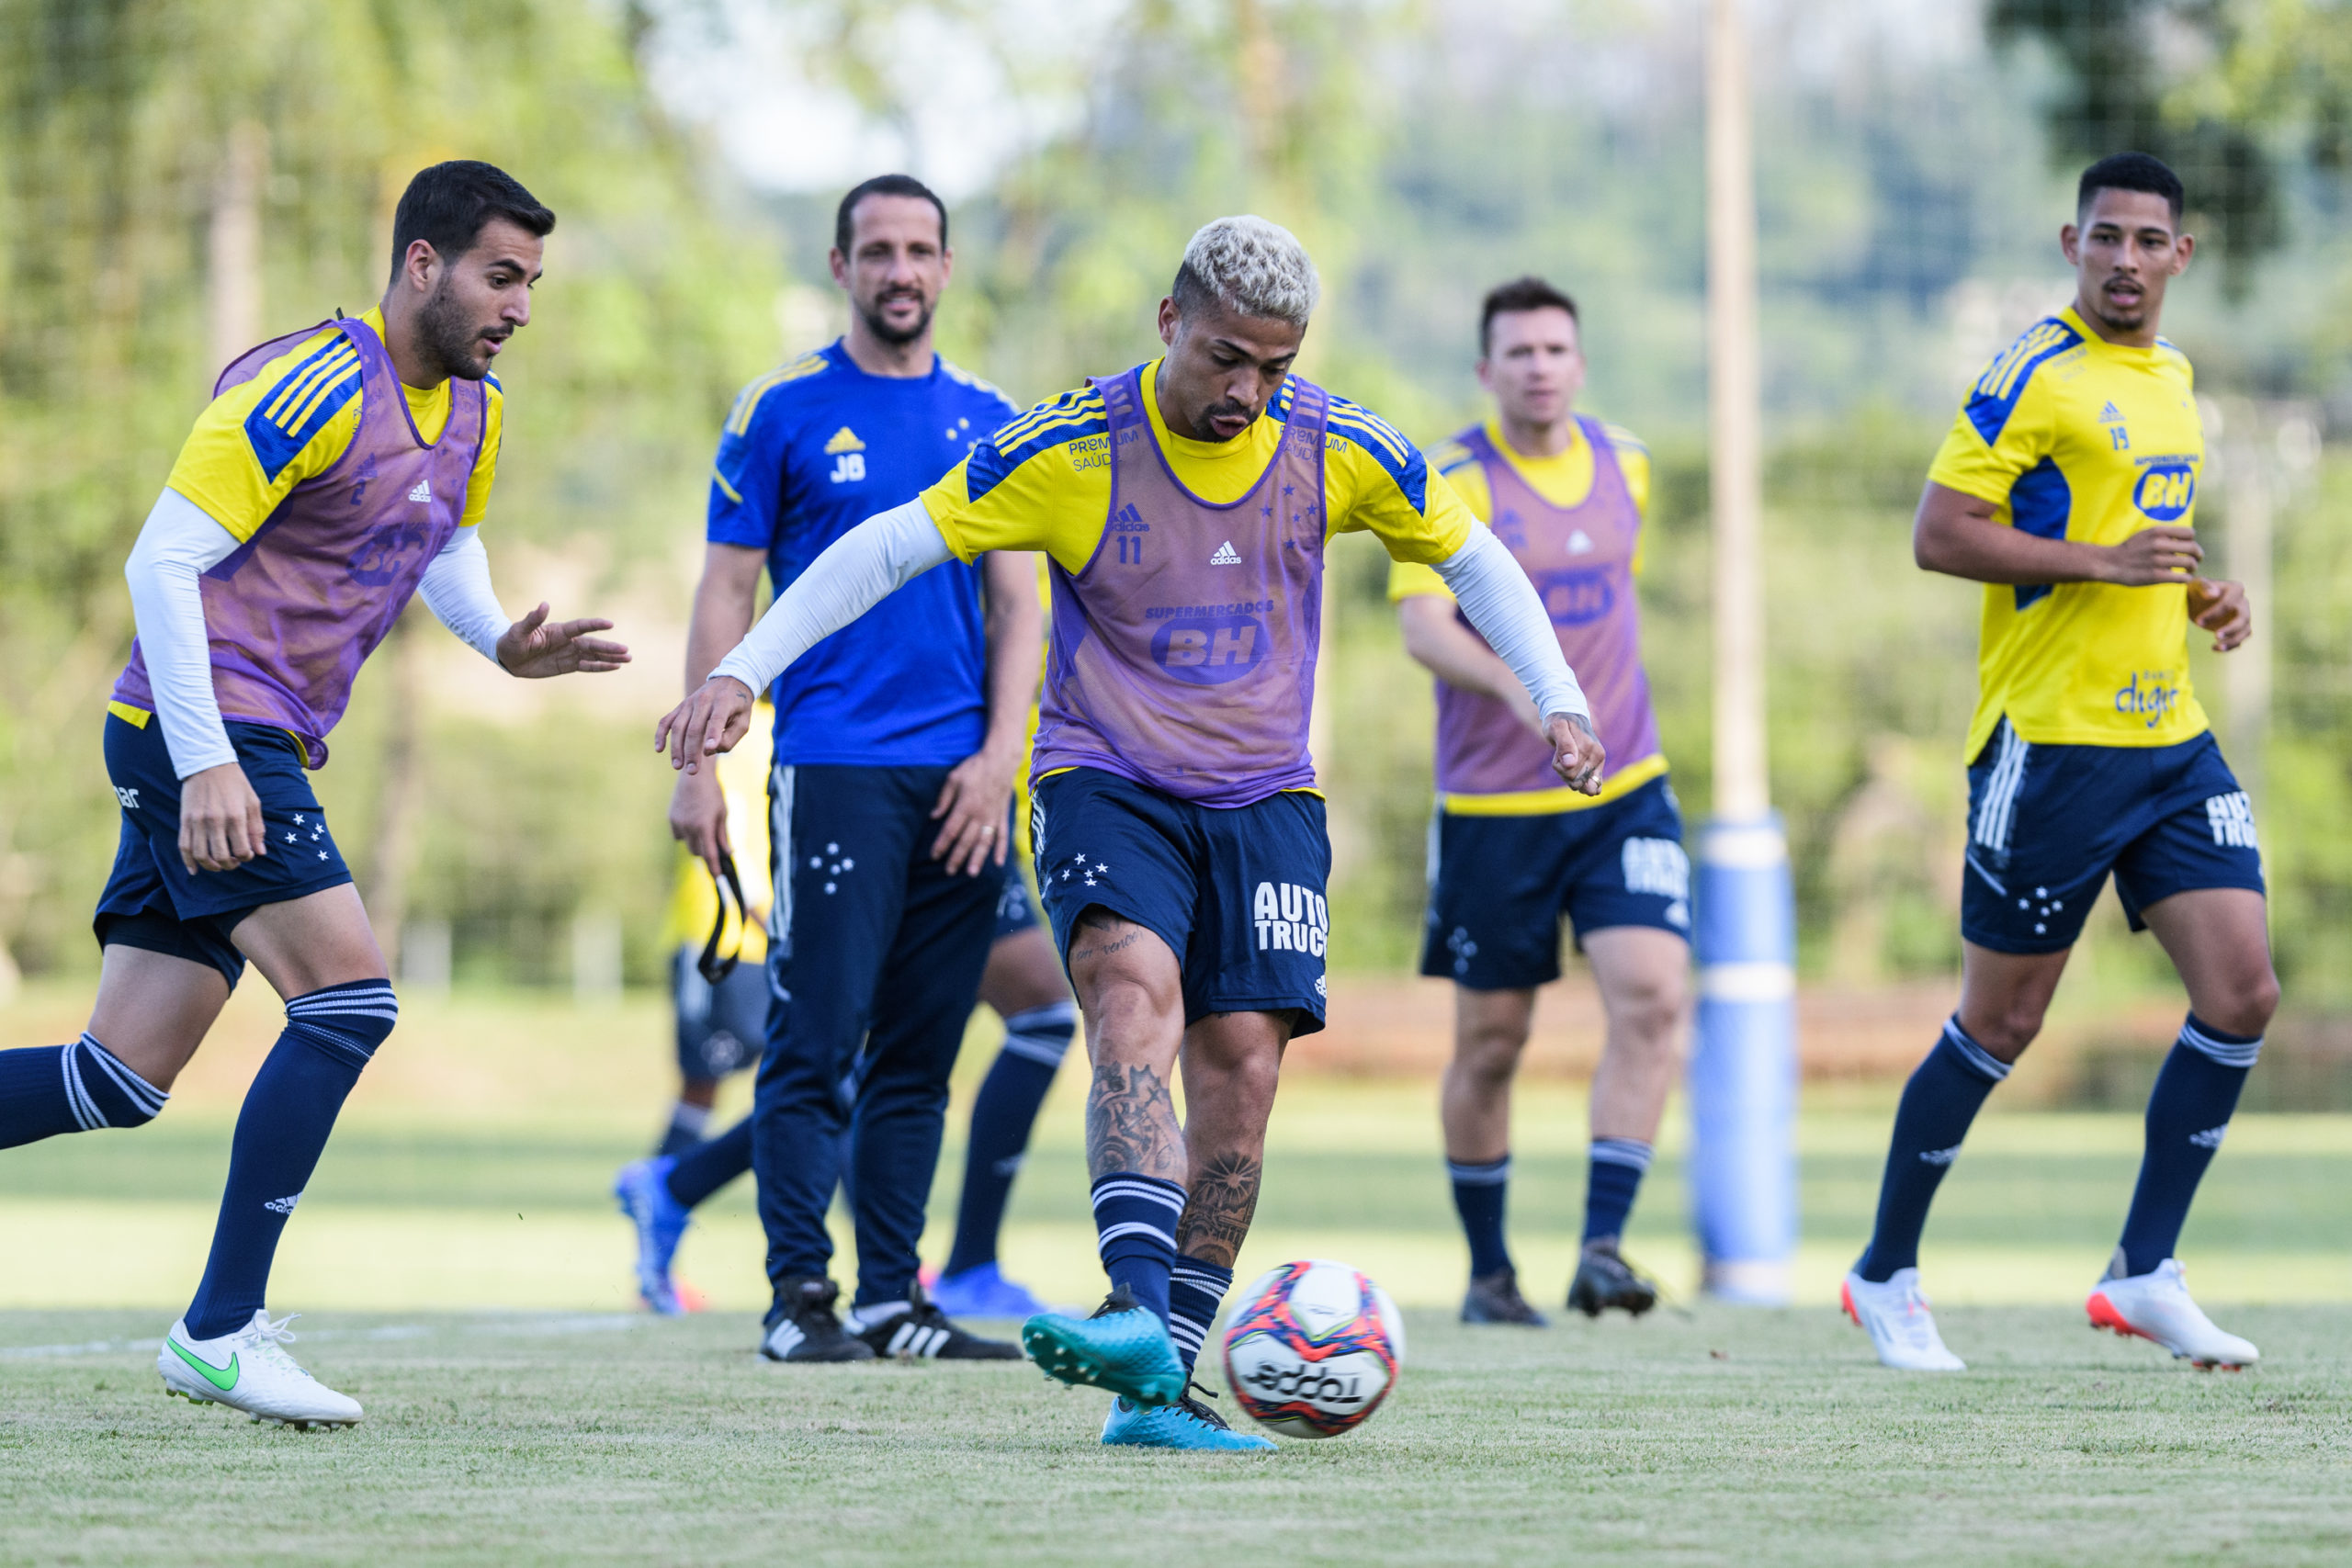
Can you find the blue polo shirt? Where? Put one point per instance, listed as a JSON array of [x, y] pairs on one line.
[[811, 451]]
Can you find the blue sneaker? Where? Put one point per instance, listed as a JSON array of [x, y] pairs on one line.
[[982, 1290], [1123, 1347], [1187, 1424], [642, 1189]]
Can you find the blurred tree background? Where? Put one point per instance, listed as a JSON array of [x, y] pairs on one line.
[[178, 179]]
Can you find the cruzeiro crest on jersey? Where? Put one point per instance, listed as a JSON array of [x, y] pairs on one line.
[[1996, 394]]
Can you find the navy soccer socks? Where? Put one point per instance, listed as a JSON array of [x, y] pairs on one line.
[[48, 1089], [281, 1130], [2188, 1111], [1940, 1101], [1195, 1292], [1612, 1179], [1135, 1226], [1479, 1191], [710, 1166], [1002, 1114]]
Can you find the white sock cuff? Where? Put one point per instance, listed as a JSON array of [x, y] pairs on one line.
[[1980, 1061], [2228, 1053], [1491, 1175], [1630, 1152]]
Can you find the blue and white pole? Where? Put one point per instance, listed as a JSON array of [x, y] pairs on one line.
[[1743, 1082], [1743, 1067]]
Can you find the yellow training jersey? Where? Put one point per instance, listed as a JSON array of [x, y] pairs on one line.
[[1564, 479], [743, 780], [238, 477], [1043, 482], [2072, 437]]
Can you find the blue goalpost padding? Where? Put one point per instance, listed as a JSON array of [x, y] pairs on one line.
[[1743, 1078]]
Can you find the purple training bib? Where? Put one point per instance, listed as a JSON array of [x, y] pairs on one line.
[[296, 610], [1183, 656], [1581, 560]]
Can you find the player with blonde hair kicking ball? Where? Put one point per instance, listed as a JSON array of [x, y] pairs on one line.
[[1180, 844], [1511, 851], [2067, 486], [337, 471]]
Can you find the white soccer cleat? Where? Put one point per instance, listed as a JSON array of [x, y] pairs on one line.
[[250, 1371], [1901, 1327], [2156, 1306]]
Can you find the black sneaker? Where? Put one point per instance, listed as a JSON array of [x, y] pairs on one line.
[[802, 1328], [1495, 1298], [922, 1333], [1604, 1281]]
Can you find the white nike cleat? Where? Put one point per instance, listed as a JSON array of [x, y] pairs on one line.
[[250, 1371], [1901, 1327], [2156, 1306]]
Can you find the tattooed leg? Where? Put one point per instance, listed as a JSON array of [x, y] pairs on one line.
[[1132, 993], [1231, 1064]]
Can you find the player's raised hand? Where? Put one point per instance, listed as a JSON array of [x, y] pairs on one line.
[[709, 722], [1578, 754], [220, 825], [2220, 607], [534, 649], [972, 801], [2165, 553], [698, 818]]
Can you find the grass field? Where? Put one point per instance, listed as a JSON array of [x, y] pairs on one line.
[[462, 1274]]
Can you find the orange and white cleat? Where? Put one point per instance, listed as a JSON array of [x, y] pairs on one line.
[[1901, 1328], [2154, 1306]]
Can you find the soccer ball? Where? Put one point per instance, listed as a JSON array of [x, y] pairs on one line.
[[1313, 1349]]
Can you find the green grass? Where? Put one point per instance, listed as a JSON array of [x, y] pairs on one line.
[[461, 1273], [1715, 1436]]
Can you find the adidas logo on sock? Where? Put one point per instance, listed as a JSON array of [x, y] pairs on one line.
[[1226, 555], [1939, 1156], [283, 1205], [2210, 1138], [423, 492]]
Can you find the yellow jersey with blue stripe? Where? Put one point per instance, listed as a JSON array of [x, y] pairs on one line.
[[1043, 482], [294, 421], [2070, 437], [1564, 478]]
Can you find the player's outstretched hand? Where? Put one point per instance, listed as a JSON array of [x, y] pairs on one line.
[[1576, 752], [698, 818], [709, 722], [534, 649], [2165, 553], [2221, 608], [972, 801], [220, 826]]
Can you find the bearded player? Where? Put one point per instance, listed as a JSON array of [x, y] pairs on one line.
[[1179, 843], [1512, 851], [337, 471], [2067, 486]]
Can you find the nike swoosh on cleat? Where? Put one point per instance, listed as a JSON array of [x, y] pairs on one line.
[[222, 1378]]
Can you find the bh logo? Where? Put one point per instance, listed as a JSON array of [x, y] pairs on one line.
[[1575, 598], [1209, 651], [1291, 918], [381, 556], [2166, 491]]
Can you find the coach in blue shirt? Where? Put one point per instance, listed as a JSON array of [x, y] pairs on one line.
[[896, 743]]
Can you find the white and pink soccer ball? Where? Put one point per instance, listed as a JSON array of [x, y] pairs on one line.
[[1313, 1348]]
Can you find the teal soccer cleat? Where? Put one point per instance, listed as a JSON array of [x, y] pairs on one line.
[[1123, 1347], [1187, 1424]]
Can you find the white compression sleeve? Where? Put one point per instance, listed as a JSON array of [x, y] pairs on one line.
[[856, 572], [1499, 600], [457, 590], [178, 543]]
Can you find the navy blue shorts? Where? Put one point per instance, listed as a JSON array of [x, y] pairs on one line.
[[1016, 911], [721, 1028], [154, 901], [1237, 893], [1500, 885], [2047, 823]]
